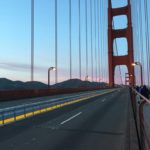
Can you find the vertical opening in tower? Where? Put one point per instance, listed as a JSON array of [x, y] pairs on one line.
[[121, 73], [119, 3], [120, 47], [120, 22]]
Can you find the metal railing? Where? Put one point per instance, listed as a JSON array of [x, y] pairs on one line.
[[12, 114], [21, 94], [138, 102]]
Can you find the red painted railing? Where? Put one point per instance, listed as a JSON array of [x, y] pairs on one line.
[[139, 101], [19, 94]]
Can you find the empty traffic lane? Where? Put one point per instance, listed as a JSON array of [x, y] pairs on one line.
[[98, 123]]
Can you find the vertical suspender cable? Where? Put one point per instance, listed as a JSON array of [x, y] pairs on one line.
[[107, 49], [79, 40], [138, 38], [135, 40], [91, 14], [98, 11], [106, 25], [148, 44], [148, 58], [97, 55], [86, 38], [56, 42], [32, 40], [95, 40], [70, 36], [141, 35], [147, 38], [106, 18], [105, 29], [146, 35], [102, 39], [101, 52], [138, 31]]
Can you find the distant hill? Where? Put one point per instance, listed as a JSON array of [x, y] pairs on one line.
[[6, 84], [75, 83]]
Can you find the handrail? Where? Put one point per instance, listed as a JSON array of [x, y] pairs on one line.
[[30, 93], [139, 116], [144, 98], [47, 101]]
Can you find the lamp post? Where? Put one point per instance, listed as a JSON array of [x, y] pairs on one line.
[[141, 70], [50, 69]]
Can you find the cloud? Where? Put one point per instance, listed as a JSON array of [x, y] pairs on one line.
[[40, 71], [12, 66]]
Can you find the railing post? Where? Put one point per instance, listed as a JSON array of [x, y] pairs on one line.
[[134, 108], [142, 129], [3, 117], [144, 142]]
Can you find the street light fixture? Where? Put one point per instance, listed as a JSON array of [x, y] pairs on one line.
[[50, 69], [141, 70]]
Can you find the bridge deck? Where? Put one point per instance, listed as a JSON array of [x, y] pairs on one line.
[[104, 122]]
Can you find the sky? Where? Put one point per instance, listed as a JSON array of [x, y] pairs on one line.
[[15, 37]]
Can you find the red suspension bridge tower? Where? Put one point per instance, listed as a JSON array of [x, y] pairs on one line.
[[128, 59]]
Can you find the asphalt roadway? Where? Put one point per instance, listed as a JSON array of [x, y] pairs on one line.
[[100, 123]]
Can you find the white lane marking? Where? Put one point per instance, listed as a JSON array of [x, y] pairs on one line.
[[71, 118], [104, 100]]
